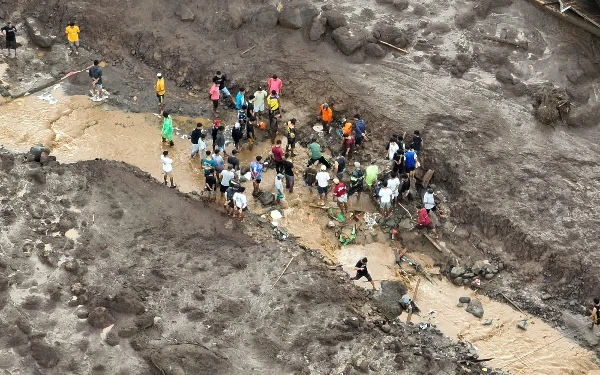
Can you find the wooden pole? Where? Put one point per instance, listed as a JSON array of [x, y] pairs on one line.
[[393, 46], [249, 49], [285, 269]]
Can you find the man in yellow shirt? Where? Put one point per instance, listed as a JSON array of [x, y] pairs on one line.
[[72, 32], [160, 91]]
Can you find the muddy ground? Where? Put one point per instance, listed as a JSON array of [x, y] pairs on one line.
[[518, 180]]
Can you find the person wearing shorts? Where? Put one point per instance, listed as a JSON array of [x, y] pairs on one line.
[[256, 170], [220, 79], [210, 185], [160, 91], [226, 176], [260, 98], [385, 195], [10, 31], [167, 164], [340, 195], [95, 73], [214, 96], [241, 203], [361, 271], [72, 32], [229, 203], [322, 183]]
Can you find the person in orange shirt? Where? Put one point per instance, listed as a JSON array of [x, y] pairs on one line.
[[326, 117], [72, 32], [347, 128]]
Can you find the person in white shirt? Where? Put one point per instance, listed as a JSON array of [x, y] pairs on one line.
[[392, 150], [167, 165], [429, 203], [385, 194], [226, 177], [322, 182], [393, 183], [241, 203], [279, 195]]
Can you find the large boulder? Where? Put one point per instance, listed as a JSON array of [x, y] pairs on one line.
[[266, 18], [349, 40], [100, 317], [335, 19], [317, 29], [296, 17], [375, 50], [38, 33], [185, 13]]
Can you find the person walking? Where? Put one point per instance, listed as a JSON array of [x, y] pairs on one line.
[[410, 162], [291, 137], [279, 191], [360, 129], [424, 221], [197, 139], [159, 87], [278, 156], [260, 98], [340, 195], [289, 173], [241, 203], [322, 184], [72, 32], [167, 129], [210, 185], [214, 96], [256, 170], [362, 271], [357, 179], [240, 98], [226, 176], [385, 202], [10, 33], [220, 79], [167, 165], [326, 115], [95, 73], [314, 153]]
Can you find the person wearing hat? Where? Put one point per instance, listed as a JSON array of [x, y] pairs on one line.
[[229, 204], [429, 203], [279, 194], [361, 271], [357, 181], [326, 116], [160, 91], [260, 98], [322, 183], [237, 133], [340, 195]]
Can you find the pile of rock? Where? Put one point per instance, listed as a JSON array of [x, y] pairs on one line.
[[481, 269]]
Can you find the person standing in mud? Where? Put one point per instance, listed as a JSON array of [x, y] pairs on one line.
[[208, 164], [275, 84], [250, 106], [237, 133], [417, 142], [289, 173], [360, 130], [159, 87], [210, 185], [385, 204], [10, 32], [273, 104], [214, 133], [241, 203], [220, 79], [256, 170], [347, 145], [250, 132], [326, 115], [340, 195], [260, 98], [197, 138], [361, 271], [410, 162], [214, 96], [219, 163], [72, 32], [314, 154], [278, 156], [595, 313], [274, 125], [404, 187], [240, 99], [279, 192], [291, 137], [167, 129], [322, 184], [167, 165], [220, 139], [357, 181], [95, 73], [339, 165]]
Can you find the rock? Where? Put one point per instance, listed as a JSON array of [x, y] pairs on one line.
[[374, 50], [335, 19], [487, 322], [185, 13], [348, 41], [504, 76], [44, 354], [457, 271], [489, 276], [523, 325], [317, 29], [546, 296], [82, 312], [386, 328], [475, 308], [479, 267], [459, 305], [401, 4], [457, 281], [100, 317], [361, 363], [267, 18], [468, 275], [38, 34], [267, 199], [112, 338], [419, 10], [236, 16], [77, 289], [24, 325], [71, 265], [464, 299], [296, 17]]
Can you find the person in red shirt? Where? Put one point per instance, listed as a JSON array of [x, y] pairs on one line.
[[347, 145], [278, 156], [326, 116], [340, 195], [424, 221]]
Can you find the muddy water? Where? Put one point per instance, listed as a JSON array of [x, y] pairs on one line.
[[540, 350]]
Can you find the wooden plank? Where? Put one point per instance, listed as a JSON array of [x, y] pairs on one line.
[[434, 243]]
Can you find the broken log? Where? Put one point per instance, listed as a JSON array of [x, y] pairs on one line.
[[522, 44], [392, 46], [249, 49], [426, 178], [285, 269], [434, 243]]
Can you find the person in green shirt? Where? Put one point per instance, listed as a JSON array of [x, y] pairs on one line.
[[314, 154], [167, 129], [372, 172]]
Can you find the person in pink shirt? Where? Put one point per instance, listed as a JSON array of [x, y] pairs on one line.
[[275, 84], [214, 96]]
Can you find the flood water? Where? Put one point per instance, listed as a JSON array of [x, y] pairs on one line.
[[75, 129]]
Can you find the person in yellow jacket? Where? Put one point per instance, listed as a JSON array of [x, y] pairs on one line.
[[72, 32], [160, 91]]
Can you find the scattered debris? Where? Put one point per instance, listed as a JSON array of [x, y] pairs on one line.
[[523, 325]]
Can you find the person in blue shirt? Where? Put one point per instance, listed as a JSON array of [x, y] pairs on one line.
[[410, 161], [360, 130], [240, 100], [256, 169]]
